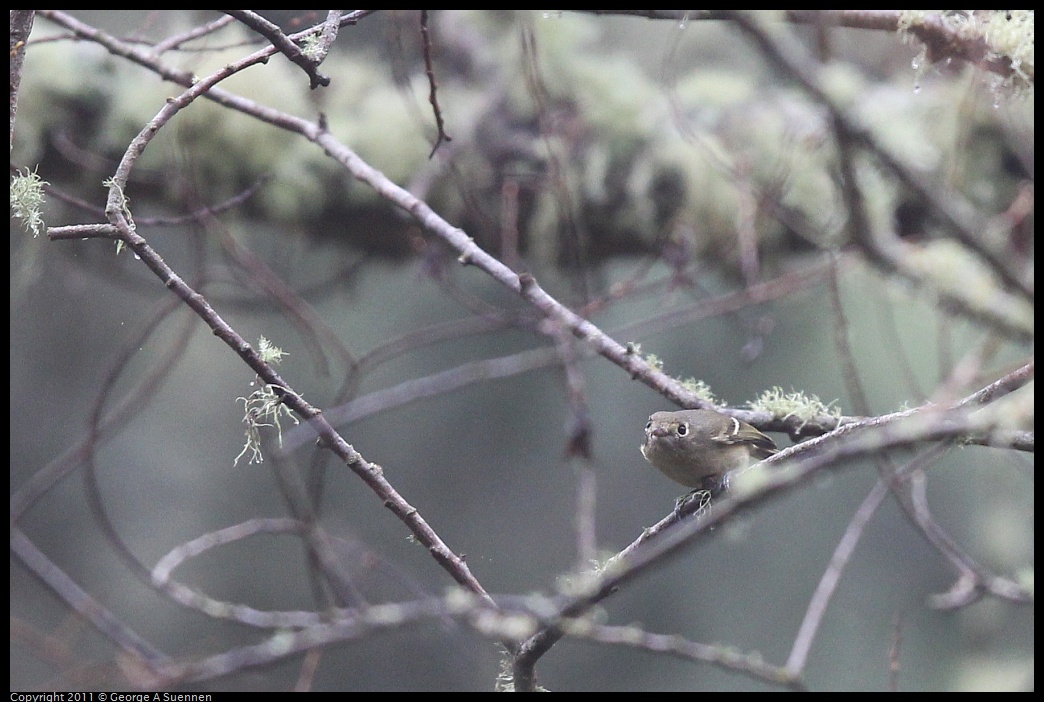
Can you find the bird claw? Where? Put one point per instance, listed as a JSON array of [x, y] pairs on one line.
[[701, 496]]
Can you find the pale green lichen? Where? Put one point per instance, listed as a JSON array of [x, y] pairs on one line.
[[700, 389], [794, 404], [268, 352], [263, 408], [124, 202], [27, 197], [654, 361], [311, 46], [1008, 34]]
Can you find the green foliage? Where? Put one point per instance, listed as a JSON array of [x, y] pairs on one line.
[[951, 269], [611, 153]]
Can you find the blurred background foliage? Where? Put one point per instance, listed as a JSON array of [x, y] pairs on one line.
[[613, 157]]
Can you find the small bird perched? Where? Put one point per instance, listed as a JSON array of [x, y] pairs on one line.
[[699, 447]]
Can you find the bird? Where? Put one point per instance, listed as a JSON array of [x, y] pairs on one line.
[[699, 447]]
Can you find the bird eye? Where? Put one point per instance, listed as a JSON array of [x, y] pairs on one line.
[[683, 429], [648, 425]]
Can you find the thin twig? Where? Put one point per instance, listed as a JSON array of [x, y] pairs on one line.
[[433, 98]]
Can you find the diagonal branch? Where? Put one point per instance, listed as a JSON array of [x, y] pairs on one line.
[[274, 34]]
